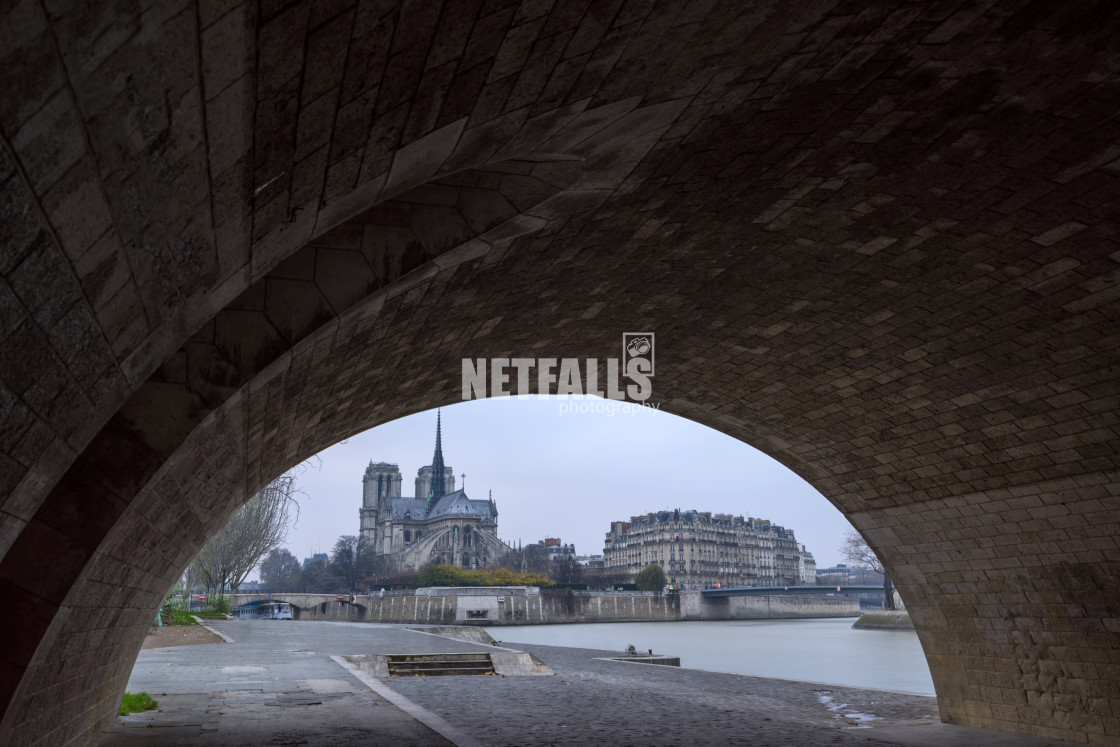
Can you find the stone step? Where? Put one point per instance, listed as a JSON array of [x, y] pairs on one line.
[[437, 665], [440, 671]]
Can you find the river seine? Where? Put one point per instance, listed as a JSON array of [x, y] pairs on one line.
[[822, 650]]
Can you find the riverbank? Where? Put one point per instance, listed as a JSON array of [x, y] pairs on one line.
[[529, 605], [278, 683]]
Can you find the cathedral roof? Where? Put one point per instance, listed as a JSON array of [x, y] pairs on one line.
[[452, 504], [458, 503], [437, 505], [416, 508]]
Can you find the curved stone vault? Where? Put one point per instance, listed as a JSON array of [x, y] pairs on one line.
[[876, 241]]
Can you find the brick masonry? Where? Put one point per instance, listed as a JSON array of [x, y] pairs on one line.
[[876, 242]]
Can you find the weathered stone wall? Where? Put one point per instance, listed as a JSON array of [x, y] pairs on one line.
[[515, 606], [520, 606], [779, 606], [884, 620], [695, 606]]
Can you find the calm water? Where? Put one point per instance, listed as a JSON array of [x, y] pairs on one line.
[[825, 650]]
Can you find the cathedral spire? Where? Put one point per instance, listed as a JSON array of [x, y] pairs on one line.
[[439, 487]]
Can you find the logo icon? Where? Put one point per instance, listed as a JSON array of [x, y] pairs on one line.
[[638, 346]]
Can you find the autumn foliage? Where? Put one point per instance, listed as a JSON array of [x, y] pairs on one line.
[[449, 575]]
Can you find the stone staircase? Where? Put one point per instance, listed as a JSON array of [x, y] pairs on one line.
[[438, 665]]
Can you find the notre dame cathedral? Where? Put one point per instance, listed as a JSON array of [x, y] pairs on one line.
[[441, 525]]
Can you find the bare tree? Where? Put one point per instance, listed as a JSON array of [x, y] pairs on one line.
[[530, 559], [316, 575], [194, 579], [351, 560], [256, 528], [280, 569], [566, 570], [859, 552]]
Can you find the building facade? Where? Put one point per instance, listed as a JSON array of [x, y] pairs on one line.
[[440, 525], [845, 574], [591, 562], [807, 567], [700, 550], [555, 549]]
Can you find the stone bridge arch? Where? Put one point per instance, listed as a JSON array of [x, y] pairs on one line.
[[311, 604], [245, 599], [877, 243]]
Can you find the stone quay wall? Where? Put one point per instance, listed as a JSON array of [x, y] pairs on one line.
[[694, 606], [530, 605], [481, 606], [884, 620]]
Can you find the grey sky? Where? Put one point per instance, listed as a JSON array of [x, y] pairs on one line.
[[568, 475]]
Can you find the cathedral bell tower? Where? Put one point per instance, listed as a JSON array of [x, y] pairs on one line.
[[381, 483]]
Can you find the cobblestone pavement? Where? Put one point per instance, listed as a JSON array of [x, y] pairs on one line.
[[606, 702], [277, 685], [592, 701]]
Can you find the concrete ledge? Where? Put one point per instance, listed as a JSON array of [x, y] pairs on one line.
[[518, 664], [218, 633], [884, 620], [667, 661], [375, 665], [470, 634]]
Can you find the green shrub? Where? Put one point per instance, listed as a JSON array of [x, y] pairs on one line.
[[178, 617], [170, 605], [650, 578], [136, 702], [450, 575]]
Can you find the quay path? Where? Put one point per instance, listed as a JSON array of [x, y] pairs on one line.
[[276, 683]]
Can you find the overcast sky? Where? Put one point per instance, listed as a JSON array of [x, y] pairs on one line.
[[568, 475]]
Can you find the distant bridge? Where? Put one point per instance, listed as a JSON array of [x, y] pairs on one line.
[[300, 600], [748, 591]]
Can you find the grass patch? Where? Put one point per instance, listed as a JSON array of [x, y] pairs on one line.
[[136, 702], [178, 617], [221, 615]]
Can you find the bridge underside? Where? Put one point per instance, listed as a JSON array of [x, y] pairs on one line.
[[877, 242]]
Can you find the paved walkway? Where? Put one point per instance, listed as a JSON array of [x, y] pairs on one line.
[[277, 684]]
